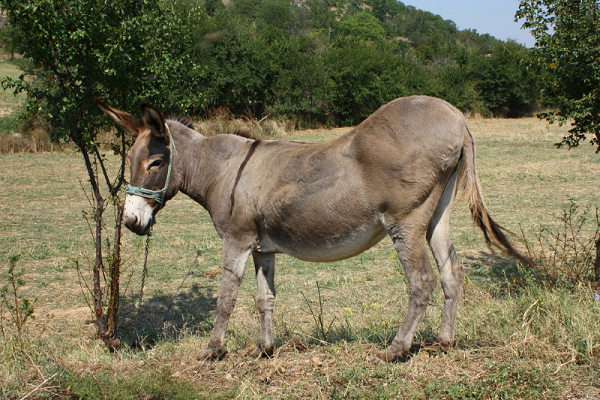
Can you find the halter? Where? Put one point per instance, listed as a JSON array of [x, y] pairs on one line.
[[156, 195]]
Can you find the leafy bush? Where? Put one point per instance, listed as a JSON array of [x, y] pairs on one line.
[[567, 34]]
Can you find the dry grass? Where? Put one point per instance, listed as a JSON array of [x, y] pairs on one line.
[[512, 341], [33, 141], [220, 121]]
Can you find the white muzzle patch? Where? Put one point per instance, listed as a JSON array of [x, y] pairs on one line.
[[139, 214]]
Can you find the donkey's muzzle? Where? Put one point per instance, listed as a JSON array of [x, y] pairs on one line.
[[134, 225], [139, 214]]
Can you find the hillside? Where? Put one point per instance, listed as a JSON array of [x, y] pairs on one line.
[[344, 58], [315, 62], [421, 28]]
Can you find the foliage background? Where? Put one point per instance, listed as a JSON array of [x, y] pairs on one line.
[[317, 62], [567, 51]]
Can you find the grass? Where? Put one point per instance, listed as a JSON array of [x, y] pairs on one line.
[[9, 103], [15, 134], [512, 341]]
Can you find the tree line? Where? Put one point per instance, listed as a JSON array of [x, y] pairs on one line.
[[316, 62]]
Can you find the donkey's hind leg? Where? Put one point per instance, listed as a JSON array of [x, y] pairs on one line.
[[264, 265], [451, 272], [408, 237]]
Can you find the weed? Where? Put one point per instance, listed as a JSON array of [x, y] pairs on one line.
[[30, 141], [155, 383], [565, 257], [569, 326], [221, 121], [322, 329], [498, 382], [365, 382], [19, 307]]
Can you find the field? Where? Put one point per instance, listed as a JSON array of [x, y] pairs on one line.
[[513, 341], [515, 338]]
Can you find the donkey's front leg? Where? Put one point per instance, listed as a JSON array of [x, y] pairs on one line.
[[235, 256], [264, 265]]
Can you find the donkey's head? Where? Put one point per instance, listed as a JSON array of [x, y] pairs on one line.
[[150, 162]]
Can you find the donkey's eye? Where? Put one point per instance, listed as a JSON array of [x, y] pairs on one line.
[[155, 164]]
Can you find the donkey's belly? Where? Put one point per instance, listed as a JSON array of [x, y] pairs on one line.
[[320, 247]]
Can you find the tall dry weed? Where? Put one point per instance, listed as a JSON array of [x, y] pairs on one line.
[[566, 256], [220, 121], [35, 141]]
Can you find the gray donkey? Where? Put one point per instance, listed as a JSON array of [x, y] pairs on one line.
[[396, 173]]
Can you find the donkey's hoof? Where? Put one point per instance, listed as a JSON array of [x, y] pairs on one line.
[[257, 351], [389, 355], [445, 346], [211, 354]]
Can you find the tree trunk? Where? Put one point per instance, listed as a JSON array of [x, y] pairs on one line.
[[98, 266], [105, 322], [115, 273]]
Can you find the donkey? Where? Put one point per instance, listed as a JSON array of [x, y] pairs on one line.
[[397, 173]]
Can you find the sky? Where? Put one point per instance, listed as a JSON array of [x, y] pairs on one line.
[[495, 17]]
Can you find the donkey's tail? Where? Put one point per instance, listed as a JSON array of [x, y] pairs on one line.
[[494, 233]]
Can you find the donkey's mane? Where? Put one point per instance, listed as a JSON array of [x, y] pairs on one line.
[[183, 121]]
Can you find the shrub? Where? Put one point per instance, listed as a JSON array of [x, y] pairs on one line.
[[566, 256]]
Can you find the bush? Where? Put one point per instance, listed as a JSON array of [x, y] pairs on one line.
[[565, 257]]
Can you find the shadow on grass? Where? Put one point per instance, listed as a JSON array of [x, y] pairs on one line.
[[493, 271], [166, 316]]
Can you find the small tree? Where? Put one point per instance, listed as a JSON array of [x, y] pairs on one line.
[[75, 50], [363, 25], [567, 48]]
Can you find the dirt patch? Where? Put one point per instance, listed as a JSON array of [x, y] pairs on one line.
[[5, 110], [78, 313]]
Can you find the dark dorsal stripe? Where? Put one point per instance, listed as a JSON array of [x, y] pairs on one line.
[[253, 147]]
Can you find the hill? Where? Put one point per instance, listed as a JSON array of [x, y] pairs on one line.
[[316, 62], [336, 61]]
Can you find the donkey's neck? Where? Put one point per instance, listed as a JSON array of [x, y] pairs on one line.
[[190, 166], [206, 165]]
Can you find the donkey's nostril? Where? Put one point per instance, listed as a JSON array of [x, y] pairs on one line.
[[131, 221]]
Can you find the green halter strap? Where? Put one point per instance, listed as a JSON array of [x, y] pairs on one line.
[[156, 195]]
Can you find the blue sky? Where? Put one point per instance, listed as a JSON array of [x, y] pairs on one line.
[[495, 17]]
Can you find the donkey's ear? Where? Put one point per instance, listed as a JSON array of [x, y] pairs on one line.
[[126, 121], [154, 120]]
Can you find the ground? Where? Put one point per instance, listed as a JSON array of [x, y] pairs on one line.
[[515, 338]]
